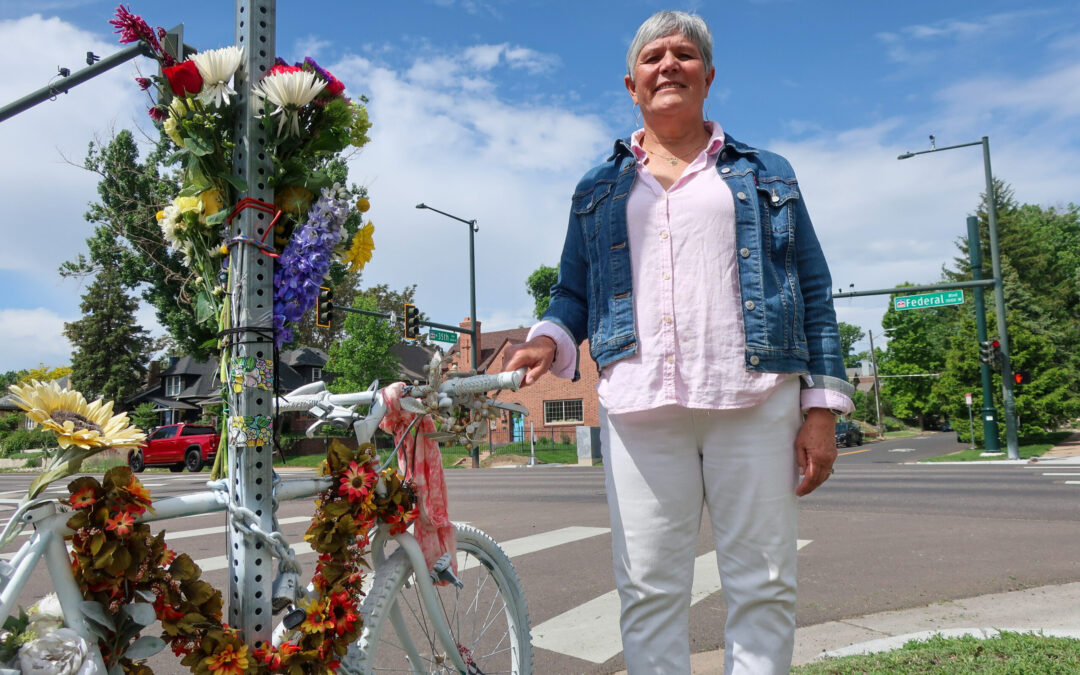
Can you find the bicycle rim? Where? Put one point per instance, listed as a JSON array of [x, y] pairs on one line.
[[488, 617]]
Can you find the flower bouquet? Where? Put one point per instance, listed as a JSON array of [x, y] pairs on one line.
[[309, 122]]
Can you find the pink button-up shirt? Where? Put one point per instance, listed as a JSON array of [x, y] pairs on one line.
[[687, 304]]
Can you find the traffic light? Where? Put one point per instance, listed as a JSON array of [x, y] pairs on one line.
[[1022, 376], [324, 308], [990, 352], [412, 322]]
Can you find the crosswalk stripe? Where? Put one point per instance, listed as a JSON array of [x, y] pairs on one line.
[[204, 531], [590, 631], [538, 542], [1072, 482]]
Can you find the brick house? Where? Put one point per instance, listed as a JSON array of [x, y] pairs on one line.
[[556, 405]]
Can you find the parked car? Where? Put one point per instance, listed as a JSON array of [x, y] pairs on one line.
[[177, 446], [848, 433]]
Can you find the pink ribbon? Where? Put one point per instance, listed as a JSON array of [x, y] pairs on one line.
[[421, 460]]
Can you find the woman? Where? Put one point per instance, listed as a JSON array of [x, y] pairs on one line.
[[692, 267]]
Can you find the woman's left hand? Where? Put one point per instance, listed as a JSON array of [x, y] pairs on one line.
[[815, 449]]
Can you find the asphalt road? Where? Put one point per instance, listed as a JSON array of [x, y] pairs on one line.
[[881, 534]]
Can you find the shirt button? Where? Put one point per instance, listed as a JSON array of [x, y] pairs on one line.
[[754, 360], [749, 304], [663, 235], [670, 359], [667, 320], [744, 252], [741, 195], [667, 276], [726, 169]]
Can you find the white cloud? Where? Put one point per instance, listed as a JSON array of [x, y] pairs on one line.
[[45, 219], [921, 43], [512, 167], [32, 336]]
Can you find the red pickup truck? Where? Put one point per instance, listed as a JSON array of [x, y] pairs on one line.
[[177, 446]]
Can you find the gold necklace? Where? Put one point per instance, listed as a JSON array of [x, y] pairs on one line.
[[671, 160]]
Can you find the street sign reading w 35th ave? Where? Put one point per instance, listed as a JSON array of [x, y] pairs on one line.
[[927, 300], [443, 336]]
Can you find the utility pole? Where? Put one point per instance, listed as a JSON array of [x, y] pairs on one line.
[[877, 385], [251, 334], [988, 412]]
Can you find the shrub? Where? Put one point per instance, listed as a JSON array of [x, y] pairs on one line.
[[9, 422], [22, 439], [32, 463], [144, 416]]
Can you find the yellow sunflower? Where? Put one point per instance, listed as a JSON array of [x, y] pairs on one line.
[[359, 253], [74, 421]]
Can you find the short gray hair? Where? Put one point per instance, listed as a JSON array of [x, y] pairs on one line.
[[668, 22]]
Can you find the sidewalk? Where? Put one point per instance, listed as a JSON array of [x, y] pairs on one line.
[[1052, 610]]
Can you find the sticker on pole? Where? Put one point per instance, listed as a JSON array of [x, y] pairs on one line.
[[967, 398]]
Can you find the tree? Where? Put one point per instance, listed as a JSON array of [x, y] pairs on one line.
[[126, 236], [364, 354], [109, 347], [849, 335], [539, 284], [43, 373]]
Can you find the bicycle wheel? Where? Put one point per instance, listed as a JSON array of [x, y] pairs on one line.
[[488, 617]]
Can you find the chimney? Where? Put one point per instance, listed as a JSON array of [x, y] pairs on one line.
[[465, 346]]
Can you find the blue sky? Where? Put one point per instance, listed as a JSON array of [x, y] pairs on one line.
[[493, 109]]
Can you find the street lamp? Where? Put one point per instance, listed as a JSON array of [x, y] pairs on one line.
[[999, 294], [472, 278]]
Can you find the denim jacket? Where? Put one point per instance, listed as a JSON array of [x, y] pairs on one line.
[[783, 277]]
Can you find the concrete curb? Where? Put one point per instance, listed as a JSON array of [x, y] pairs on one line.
[[896, 642]]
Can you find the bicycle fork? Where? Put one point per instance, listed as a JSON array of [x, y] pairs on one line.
[[426, 587]]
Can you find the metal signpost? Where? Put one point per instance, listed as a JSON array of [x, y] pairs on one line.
[[251, 296], [971, 419]]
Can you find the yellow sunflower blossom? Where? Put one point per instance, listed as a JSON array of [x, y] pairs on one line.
[[74, 421], [359, 253]]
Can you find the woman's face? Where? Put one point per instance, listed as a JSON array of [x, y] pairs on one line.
[[670, 78]]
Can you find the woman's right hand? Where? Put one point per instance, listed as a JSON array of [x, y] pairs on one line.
[[536, 355]]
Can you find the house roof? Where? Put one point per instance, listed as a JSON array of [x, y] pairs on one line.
[[492, 342], [305, 356], [412, 358]]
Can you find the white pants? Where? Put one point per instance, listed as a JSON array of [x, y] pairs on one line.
[[661, 465]]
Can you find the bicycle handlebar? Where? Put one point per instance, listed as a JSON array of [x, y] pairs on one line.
[[301, 400]]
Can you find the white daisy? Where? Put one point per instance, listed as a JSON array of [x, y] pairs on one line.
[[217, 66], [289, 92]]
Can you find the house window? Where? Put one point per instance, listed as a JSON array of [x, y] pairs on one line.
[[173, 385], [563, 412], [316, 374]]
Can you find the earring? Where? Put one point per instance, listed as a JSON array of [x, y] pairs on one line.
[[706, 110], [637, 115]]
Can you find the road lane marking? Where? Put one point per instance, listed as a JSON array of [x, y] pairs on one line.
[[1072, 482], [854, 452], [1061, 474], [221, 529], [537, 542], [590, 631]]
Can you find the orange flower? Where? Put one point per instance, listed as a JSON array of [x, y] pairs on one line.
[[84, 498], [122, 524], [228, 660], [318, 619]]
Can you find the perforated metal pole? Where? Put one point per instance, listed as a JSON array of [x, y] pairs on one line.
[[251, 568]]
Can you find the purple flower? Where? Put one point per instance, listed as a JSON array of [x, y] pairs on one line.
[[157, 114], [306, 260], [144, 82], [132, 28]]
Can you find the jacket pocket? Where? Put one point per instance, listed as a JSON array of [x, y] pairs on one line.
[[585, 205], [778, 199]]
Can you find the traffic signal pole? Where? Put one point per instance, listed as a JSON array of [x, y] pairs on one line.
[[988, 412]]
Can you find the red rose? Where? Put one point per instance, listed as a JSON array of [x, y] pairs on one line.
[[334, 86], [184, 78]]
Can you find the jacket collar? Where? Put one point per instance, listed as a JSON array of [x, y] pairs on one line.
[[622, 147]]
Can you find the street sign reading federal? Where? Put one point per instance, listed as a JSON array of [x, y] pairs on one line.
[[927, 300], [443, 336]]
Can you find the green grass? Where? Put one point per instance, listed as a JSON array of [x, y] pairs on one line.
[[1006, 654], [1032, 446]]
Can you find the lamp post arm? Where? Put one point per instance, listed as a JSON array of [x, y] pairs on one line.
[[472, 222], [906, 155]]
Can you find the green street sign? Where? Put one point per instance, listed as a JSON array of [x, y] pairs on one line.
[[927, 300], [443, 335]]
